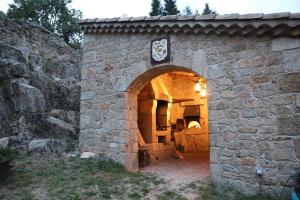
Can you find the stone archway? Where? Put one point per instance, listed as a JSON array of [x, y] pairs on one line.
[[131, 111]]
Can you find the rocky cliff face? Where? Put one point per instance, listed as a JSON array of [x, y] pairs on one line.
[[39, 84]]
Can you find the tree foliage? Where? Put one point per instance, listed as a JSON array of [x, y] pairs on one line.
[[156, 8], [54, 15], [170, 8], [187, 10], [2, 14], [208, 11]]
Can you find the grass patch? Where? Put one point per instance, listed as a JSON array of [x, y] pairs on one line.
[[209, 191], [170, 195], [75, 179], [26, 195]]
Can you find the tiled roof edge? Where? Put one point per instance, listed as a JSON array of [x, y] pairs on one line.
[[233, 16], [276, 24]]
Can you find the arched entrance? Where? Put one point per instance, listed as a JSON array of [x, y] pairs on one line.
[[168, 119]]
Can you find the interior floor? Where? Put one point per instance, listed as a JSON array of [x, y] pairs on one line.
[[194, 166]]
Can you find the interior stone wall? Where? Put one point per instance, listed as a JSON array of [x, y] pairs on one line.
[[253, 100], [169, 87]]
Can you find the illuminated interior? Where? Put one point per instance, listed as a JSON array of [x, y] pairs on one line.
[[173, 118]]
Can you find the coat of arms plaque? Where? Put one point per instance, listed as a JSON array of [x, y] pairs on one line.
[[160, 50]]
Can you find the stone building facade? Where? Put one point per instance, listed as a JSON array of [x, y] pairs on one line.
[[252, 67]]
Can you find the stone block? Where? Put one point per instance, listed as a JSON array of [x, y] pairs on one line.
[[260, 79], [215, 155], [227, 94], [113, 145], [62, 126], [282, 154], [247, 129], [298, 100], [47, 146], [284, 43], [248, 161], [263, 146], [289, 125], [199, 61], [248, 137], [235, 145], [88, 155], [85, 121], [4, 142], [248, 113], [216, 115], [228, 136], [15, 68], [87, 95], [266, 129], [29, 98], [296, 142], [291, 60], [213, 72], [288, 83], [231, 114], [222, 105]]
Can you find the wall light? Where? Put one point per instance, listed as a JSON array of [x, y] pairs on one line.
[[197, 87], [203, 92]]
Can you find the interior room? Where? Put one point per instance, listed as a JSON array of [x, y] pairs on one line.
[[173, 120]]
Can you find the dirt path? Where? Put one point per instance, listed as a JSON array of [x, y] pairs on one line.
[[180, 173]]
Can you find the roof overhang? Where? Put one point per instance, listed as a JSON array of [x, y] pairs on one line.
[[258, 24]]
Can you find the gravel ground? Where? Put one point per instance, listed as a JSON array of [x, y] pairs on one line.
[[194, 166]]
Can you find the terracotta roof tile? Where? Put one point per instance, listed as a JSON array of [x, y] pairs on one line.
[[98, 20], [276, 15], [251, 16], [124, 19], [142, 18], [205, 17], [115, 19], [227, 16], [186, 17], [275, 24], [152, 18], [168, 18], [295, 15]]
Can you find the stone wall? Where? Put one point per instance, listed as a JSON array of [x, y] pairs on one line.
[[253, 100], [39, 85]]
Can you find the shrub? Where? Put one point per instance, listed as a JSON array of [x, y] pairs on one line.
[[7, 155]]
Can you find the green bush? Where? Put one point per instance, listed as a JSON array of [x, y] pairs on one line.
[[7, 155]]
